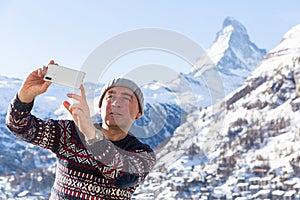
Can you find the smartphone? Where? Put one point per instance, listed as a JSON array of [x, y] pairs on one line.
[[64, 76]]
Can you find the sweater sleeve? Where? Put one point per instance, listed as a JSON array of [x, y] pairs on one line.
[[28, 127], [125, 166]]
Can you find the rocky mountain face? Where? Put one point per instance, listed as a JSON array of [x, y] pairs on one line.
[[27, 172], [234, 54], [247, 146]]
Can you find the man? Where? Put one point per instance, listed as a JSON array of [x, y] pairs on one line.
[[94, 161]]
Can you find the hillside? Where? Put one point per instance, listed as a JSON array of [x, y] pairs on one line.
[[247, 146]]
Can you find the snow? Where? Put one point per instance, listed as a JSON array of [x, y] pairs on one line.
[[291, 40], [216, 52], [276, 150], [24, 193]]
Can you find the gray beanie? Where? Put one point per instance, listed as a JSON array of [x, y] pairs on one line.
[[124, 83]]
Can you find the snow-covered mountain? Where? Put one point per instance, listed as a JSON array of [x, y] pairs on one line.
[[247, 148], [234, 54]]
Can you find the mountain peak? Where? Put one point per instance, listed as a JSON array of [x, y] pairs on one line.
[[293, 32], [236, 25], [290, 43], [233, 34], [234, 55]]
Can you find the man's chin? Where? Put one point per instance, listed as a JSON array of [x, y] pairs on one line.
[[115, 125]]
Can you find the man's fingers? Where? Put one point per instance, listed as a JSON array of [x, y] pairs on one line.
[[75, 96], [82, 91], [40, 72], [67, 106], [45, 85], [81, 98], [74, 108], [51, 62], [77, 113]]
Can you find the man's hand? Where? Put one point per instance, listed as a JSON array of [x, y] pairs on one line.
[[34, 85], [81, 113]]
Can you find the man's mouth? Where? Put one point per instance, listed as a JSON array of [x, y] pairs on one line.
[[114, 113]]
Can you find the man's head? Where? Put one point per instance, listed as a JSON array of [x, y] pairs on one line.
[[121, 102]]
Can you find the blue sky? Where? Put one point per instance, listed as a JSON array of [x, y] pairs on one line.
[[32, 32]]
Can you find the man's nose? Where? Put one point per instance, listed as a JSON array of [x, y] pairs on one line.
[[115, 102]]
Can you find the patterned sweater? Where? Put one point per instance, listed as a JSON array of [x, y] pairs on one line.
[[104, 170]]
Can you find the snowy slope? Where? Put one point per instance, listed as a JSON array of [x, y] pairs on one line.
[[254, 135]]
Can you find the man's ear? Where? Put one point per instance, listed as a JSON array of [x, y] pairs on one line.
[[138, 115]]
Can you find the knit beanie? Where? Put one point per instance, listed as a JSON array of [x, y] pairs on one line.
[[124, 83]]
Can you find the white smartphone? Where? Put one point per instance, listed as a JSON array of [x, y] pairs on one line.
[[64, 76]]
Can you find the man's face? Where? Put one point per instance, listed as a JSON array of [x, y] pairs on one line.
[[119, 108]]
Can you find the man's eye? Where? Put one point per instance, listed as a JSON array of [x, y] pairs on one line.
[[126, 98]]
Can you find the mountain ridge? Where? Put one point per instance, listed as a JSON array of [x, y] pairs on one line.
[[258, 138]]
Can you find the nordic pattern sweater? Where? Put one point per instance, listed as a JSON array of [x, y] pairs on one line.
[[104, 170]]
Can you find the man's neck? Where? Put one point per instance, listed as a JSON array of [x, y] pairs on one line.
[[113, 133]]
